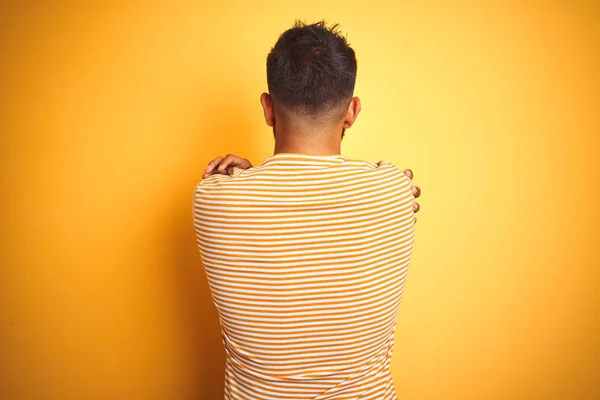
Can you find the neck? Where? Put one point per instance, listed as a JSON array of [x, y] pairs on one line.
[[307, 140]]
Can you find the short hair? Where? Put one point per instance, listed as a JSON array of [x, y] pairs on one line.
[[311, 70]]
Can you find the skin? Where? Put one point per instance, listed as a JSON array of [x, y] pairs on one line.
[[301, 134]]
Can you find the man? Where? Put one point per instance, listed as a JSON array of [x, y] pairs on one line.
[[307, 254]]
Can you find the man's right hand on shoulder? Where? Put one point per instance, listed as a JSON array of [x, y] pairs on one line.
[[225, 165]]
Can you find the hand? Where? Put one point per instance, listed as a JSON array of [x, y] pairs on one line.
[[416, 192], [224, 165]]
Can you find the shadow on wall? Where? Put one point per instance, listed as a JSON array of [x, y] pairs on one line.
[[219, 132]]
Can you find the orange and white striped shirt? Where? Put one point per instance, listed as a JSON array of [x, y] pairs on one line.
[[307, 258]]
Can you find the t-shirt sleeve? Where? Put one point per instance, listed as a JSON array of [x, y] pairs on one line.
[[403, 186]]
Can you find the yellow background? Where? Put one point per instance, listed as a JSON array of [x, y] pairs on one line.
[[110, 112]]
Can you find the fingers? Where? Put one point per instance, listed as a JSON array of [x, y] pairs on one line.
[[416, 191], [230, 161], [416, 207], [211, 165], [225, 165]]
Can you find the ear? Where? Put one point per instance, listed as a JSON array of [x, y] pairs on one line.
[[352, 113], [267, 104]]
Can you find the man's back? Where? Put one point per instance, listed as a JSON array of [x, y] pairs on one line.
[[306, 258]]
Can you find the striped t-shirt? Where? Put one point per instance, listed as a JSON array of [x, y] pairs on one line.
[[306, 258]]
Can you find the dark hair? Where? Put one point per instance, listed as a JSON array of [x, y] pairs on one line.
[[311, 69]]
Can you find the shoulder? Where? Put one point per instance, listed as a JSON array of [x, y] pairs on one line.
[[216, 183], [388, 168], [394, 175], [211, 184]]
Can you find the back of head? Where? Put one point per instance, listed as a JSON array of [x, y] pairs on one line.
[[311, 71]]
